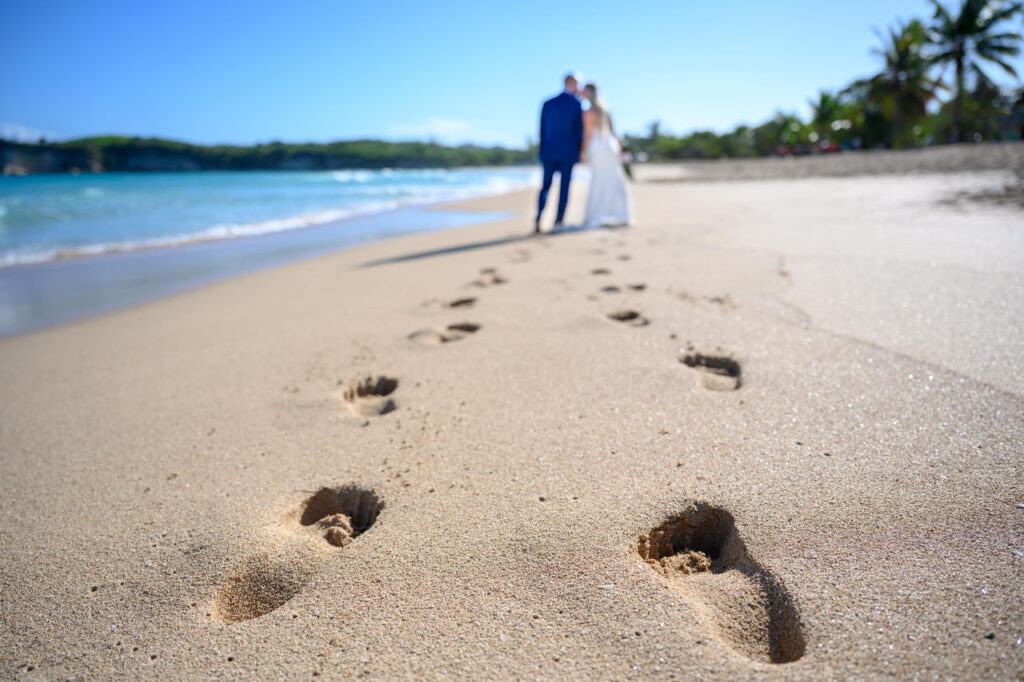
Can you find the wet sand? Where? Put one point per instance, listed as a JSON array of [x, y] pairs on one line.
[[773, 430]]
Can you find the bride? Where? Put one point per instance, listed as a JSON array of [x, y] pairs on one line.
[[608, 199]]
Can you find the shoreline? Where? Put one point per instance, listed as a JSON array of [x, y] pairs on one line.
[[939, 159], [453, 214], [32, 295], [227, 232], [175, 242]]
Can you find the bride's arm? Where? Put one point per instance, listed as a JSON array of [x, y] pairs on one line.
[[588, 129]]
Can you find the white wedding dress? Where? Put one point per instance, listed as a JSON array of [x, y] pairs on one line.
[[608, 198]]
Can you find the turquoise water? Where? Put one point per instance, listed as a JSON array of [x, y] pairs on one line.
[[50, 217]]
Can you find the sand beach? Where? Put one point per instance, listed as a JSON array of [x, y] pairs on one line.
[[772, 431]]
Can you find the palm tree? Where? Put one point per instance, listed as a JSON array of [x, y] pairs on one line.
[[825, 111], [970, 38], [903, 89]]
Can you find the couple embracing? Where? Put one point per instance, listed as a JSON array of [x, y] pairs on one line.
[[569, 134]]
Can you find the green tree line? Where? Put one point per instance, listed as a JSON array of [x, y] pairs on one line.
[[114, 153]]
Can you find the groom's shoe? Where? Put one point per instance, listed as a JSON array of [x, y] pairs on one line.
[[536, 226]]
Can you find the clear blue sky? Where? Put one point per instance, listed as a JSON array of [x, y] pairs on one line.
[[455, 70]]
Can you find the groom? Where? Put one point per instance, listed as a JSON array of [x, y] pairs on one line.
[[561, 136]]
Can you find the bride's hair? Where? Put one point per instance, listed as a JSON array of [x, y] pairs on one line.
[[596, 103]]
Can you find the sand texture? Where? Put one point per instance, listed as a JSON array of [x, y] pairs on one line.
[[775, 430]]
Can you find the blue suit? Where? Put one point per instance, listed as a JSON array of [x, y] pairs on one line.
[[561, 136]]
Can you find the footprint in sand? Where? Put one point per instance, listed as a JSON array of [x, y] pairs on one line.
[[489, 277], [371, 396], [467, 302], [600, 271], [612, 289], [453, 332], [296, 549], [630, 317], [701, 555], [724, 301], [714, 372]]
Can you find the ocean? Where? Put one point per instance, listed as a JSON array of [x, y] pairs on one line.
[[76, 246], [47, 217]]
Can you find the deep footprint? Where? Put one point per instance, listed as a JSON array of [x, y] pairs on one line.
[[453, 332], [371, 396], [714, 372], [630, 317], [305, 539], [702, 556]]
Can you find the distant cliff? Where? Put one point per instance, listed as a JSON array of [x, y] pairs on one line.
[[98, 154]]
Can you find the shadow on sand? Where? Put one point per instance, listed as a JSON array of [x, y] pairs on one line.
[[473, 246]]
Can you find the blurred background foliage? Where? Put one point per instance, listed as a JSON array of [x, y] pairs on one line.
[[933, 86]]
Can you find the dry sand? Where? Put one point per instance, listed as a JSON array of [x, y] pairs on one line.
[[219, 484]]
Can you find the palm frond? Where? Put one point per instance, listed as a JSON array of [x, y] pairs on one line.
[[998, 15], [1012, 36], [1008, 49], [981, 78], [941, 13], [1000, 62]]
